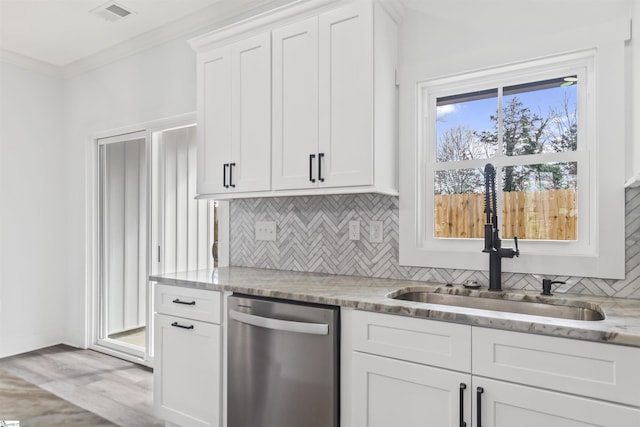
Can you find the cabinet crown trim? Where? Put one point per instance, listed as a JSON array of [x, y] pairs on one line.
[[260, 22]]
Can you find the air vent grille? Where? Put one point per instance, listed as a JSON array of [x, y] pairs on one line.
[[121, 12], [111, 11]]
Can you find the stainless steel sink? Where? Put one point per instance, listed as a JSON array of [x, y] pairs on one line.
[[575, 310]]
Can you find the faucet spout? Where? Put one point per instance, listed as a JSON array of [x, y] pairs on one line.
[[492, 241]]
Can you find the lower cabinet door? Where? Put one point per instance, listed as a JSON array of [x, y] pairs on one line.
[[389, 392], [187, 371], [502, 404]]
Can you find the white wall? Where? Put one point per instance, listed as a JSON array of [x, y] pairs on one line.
[[34, 229], [463, 35], [151, 85]]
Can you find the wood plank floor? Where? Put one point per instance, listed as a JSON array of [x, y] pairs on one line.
[[120, 391]]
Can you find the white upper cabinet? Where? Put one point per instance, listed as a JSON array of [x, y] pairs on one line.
[[234, 117], [346, 140], [295, 105], [250, 169], [214, 120], [309, 84]]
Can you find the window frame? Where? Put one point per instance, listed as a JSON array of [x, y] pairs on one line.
[[419, 247]]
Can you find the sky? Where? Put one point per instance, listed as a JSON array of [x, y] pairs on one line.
[[476, 114]]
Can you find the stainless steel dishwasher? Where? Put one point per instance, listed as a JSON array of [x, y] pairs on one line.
[[282, 363]]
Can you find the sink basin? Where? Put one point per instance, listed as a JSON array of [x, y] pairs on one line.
[[575, 310]]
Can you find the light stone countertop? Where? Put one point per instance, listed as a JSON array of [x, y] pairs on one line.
[[621, 325]]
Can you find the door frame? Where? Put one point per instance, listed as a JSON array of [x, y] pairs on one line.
[[102, 317], [92, 240]]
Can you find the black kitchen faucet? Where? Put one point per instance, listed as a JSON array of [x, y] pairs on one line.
[[492, 241]]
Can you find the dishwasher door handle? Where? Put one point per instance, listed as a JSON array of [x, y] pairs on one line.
[[280, 325]]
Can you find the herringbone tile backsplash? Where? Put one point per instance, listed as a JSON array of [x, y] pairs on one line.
[[312, 236]]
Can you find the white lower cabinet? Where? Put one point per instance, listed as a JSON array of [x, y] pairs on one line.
[[413, 372], [187, 371], [503, 404], [390, 392]]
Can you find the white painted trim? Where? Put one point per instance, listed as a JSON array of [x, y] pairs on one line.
[[31, 64], [120, 355], [218, 15], [260, 22], [634, 181], [122, 137], [604, 256], [91, 332], [223, 233], [303, 192], [580, 64]]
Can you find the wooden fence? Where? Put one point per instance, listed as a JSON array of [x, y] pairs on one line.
[[544, 215]]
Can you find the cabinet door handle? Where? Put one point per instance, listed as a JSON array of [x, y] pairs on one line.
[[311, 157], [231, 165], [479, 392], [179, 301], [224, 175], [178, 325], [463, 387], [320, 156]]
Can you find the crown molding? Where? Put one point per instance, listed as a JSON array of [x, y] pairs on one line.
[[31, 64], [259, 21], [218, 15]]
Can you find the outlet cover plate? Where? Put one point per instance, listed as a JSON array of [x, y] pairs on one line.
[[266, 230], [354, 230], [375, 231]]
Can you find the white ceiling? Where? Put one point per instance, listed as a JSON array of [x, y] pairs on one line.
[[62, 34]]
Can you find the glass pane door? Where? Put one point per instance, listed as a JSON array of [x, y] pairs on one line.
[[123, 244]]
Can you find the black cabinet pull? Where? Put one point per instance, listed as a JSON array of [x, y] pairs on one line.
[[179, 301], [320, 156], [231, 165], [224, 175], [479, 392], [178, 325], [463, 387], [311, 157]]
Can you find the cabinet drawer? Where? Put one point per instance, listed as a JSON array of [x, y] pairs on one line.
[[446, 345], [197, 304], [604, 371]]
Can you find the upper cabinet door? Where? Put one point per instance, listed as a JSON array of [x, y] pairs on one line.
[[295, 105], [250, 168], [214, 119], [346, 95]]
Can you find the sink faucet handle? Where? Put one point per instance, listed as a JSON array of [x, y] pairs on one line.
[[515, 242]]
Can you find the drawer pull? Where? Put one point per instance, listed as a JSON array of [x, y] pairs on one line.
[[479, 392], [178, 325], [463, 387], [178, 301]]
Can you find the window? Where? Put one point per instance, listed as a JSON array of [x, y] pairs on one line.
[[508, 126], [536, 123]]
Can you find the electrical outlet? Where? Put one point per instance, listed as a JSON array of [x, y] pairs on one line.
[[375, 231], [354, 230], [265, 230]]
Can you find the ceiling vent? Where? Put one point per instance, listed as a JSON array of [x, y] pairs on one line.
[[111, 11]]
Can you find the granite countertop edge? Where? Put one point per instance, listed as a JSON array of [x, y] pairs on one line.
[[620, 326]]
